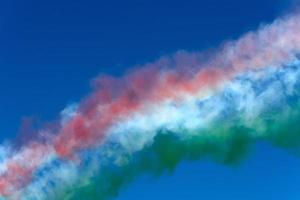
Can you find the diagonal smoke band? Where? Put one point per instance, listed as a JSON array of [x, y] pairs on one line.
[[181, 107]]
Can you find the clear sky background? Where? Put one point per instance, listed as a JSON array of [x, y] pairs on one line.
[[50, 50]]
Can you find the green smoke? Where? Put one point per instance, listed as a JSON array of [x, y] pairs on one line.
[[226, 143]]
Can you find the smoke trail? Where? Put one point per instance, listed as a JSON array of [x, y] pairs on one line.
[[178, 108], [225, 140]]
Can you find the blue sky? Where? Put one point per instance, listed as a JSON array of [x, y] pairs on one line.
[[50, 50]]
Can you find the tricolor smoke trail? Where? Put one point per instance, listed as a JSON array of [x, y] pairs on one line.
[[182, 107]]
